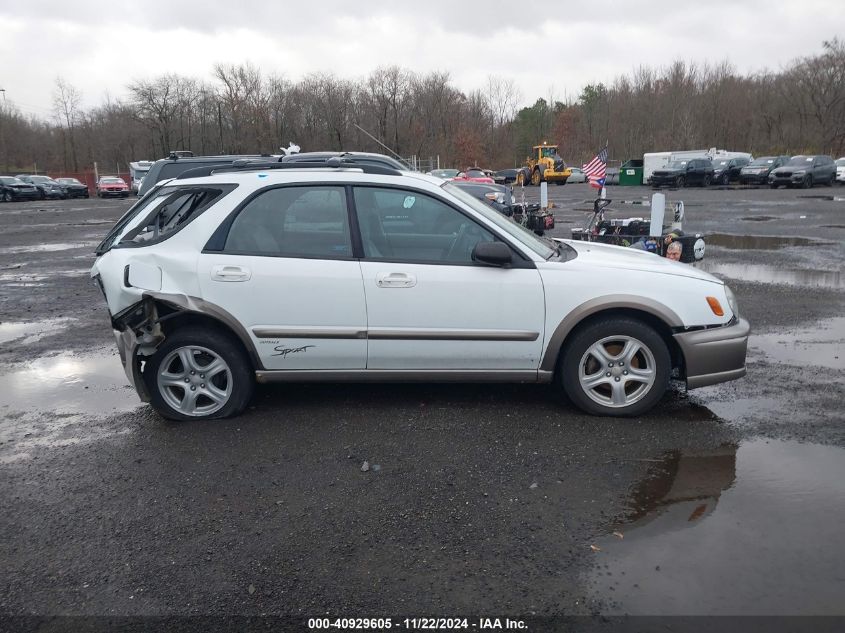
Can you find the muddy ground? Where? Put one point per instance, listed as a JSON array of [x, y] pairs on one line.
[[486, 500]]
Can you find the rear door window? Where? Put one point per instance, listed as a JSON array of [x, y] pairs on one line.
[[301, 221]]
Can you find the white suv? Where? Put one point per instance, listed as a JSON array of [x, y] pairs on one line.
[[285, 272]]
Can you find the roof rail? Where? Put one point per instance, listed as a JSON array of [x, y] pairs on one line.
[[254, 165]]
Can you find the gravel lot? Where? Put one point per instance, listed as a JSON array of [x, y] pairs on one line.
[[487, 500]]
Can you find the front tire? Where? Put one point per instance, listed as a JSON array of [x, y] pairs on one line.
[[680, 182], [536, 177], [199, 373], [8, 197], [616, 366]]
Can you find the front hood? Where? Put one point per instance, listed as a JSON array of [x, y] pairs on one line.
[[606, 256], [666, 172]]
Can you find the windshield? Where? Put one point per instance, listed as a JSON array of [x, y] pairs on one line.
[[840, 162], [475, 173], [519, 233], [800, 161], [69, 181], [111, 181], [8, 180], [677, 164], [762, 162], [445, 173]]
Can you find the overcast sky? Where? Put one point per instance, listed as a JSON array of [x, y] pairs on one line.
[[99, 47]]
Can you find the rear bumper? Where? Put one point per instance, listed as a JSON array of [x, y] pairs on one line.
[[714, 355]]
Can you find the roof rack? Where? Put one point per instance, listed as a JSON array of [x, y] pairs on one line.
[[242, 165]]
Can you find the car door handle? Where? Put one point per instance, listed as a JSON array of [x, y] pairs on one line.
[[395, 280], [230, 273]]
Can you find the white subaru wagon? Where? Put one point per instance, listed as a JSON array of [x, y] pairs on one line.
[[296, 273]]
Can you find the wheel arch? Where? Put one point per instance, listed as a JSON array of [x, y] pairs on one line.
[[182, 310], [653, 313]]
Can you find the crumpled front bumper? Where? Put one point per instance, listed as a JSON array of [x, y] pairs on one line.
[[714, 355]]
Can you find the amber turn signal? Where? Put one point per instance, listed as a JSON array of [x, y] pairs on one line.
[[714, 304]]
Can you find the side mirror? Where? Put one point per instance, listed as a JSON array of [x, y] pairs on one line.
[[492, 253]]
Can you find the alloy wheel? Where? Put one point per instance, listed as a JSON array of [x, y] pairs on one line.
[[195, 381], [617, 371]]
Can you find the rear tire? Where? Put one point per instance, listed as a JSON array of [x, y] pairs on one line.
[[8, 197], [635, 356], [217, 376]]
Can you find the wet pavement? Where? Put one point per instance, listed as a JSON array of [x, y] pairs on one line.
[[486, 496], [753, 529]]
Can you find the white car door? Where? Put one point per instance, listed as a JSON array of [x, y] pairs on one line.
[[285, 271], [429, 306]]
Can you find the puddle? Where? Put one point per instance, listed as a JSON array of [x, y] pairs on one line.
[[68, 384], [772, 275], [759, 242], [32, 331], [833, 226], [759, 218], [830, 198], [753, 529], [822, 345], [31, 277], [44, 248]]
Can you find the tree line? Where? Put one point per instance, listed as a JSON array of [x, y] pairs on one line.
[[798, 109]]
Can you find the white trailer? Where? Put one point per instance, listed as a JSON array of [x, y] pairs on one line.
[[137, 171]]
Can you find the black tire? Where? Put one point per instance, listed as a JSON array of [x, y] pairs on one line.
[[773, 186], [807, 183], [8, 197], [726, 179], [706, 181], [219, 343], [644, 396], [536, 177], [680, 182]]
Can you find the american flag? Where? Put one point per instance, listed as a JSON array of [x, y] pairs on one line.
[[596, 169]]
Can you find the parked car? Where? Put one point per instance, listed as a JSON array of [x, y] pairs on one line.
[[445, 174], [112, 186], [363, 274], [840, 170], [177, 163], [757, 171], [474, 174], [47, 187], [361, 158], [680, 173], [727, 170], [74, 188], [804, 171], [505, 176], [13, 189], [501, 198], [577, 175]]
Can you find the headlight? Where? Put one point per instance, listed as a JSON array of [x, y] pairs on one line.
[[800, 172], [732, 301]]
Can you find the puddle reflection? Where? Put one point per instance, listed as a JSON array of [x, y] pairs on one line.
[[740, 530], [30, 332], [759, 242], [68, 383], [772, 275], [822, 345]]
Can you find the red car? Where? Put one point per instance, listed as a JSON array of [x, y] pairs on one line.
[[474, 174], [112, 186]]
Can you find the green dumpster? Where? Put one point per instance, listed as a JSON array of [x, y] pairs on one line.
[[631, 173]]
